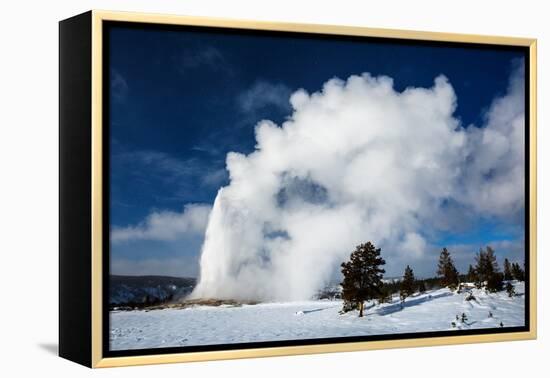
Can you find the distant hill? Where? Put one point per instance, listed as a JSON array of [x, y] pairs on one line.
[[140, 291]]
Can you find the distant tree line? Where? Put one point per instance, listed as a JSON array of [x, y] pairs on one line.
[[141, 303], [363, 277]]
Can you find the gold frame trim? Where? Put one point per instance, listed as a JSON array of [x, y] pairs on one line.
[[97, 254]]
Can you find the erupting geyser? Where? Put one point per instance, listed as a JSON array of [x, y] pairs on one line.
[[357, 161]]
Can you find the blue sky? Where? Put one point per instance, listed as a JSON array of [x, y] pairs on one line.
[[181, 100]]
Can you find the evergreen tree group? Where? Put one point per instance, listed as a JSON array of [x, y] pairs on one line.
[[487, 270], [517, 272], [362, 276]]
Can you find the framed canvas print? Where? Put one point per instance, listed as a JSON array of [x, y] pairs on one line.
[[235, 189]]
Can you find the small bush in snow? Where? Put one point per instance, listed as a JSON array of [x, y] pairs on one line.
[[349, 306], [421, 286], [510, 289], [385, 295]]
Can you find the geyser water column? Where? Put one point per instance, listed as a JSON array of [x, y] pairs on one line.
[[230, 262]]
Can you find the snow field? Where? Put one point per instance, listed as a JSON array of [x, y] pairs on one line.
[[434, 310]]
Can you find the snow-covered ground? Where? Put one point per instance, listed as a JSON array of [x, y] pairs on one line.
[[203, 325]]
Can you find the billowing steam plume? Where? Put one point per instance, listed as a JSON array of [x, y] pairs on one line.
[[356, 161]]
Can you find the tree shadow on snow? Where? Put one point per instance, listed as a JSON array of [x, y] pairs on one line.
[[396, 307], [314, 310]]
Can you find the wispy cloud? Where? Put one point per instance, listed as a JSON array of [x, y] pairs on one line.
[[207, 148], [166, 225], [119, 86], [214, 178], [263, 94], [174, 266], [210, 57], [162, 163], [181, 174]]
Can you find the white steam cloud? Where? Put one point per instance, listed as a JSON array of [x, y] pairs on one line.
[[356, 161]]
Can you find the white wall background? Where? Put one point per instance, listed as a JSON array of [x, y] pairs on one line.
[[28, 186]]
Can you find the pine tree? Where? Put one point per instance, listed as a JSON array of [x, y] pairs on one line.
[[486, 263], [407, 284], [517, 272], [472, 275], [495, 282], [492, 264], [507, 270], [480, 269], [362, 275], [446, 270]]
